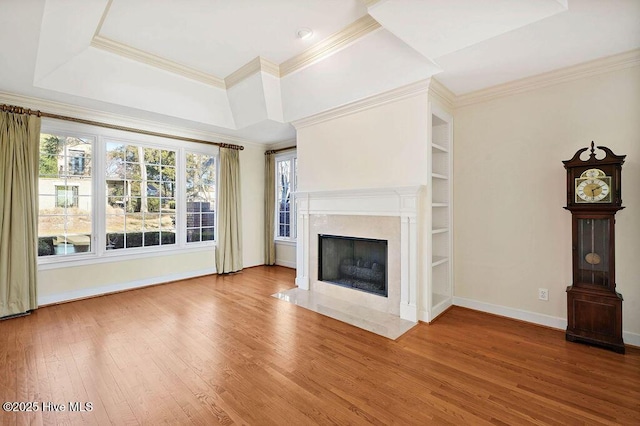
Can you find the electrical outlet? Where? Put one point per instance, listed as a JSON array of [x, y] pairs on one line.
[[543, 294]]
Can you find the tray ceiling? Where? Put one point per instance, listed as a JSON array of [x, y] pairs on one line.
[[237, 67]]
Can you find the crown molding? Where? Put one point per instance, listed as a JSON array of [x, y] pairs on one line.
[[394, 95], [330, 45], [442, 94], [102, 18], [103, 43], [563, 75], [259, 64], [371, 3], [117, 119]]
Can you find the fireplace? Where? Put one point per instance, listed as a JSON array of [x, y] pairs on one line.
[[377, 215], [358, 263]]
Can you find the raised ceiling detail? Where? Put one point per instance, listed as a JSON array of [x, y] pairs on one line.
[[238, 67], [117, 48]]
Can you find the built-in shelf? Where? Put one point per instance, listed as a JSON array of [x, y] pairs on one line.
[[437, 299], [440, 148], [439, 260], [439, 245]]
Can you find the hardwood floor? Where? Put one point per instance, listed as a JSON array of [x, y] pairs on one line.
[[221, 350]]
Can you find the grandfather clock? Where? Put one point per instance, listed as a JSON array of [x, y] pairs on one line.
[[594, 308]]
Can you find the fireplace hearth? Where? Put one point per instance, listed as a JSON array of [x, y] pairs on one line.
[[358, 263]]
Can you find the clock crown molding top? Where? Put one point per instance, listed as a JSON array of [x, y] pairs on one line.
[[609, 158]]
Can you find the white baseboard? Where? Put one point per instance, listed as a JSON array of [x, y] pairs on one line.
[[286, 263], [113, 288], [528, 316]]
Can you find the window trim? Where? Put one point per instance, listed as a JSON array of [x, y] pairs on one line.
[[98, 253], [293, 214]]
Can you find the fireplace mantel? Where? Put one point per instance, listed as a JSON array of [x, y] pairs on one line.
[[401, 202]]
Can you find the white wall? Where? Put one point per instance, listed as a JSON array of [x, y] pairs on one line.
[[512, 235], [380, 147]]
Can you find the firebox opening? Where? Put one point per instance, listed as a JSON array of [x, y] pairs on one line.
[[358, 263]]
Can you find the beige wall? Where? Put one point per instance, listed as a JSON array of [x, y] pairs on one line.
[[252, 181], [55, 285], [379, 147], [512, 235], [286, 254]]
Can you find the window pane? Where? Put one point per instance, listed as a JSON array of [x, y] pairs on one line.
[[200, 196], [193, 235], [151, 156], [131, 153], [135, 202], [151, 239], [207, 234], [65, 195], [285, 204], [168, 158]]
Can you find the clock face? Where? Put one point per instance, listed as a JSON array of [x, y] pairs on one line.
[[592, 191]]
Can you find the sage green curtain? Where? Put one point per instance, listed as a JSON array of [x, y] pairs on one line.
[[269, 208], [229, 249], [19, 146]]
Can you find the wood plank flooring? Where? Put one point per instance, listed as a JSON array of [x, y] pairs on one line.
[[221, 350]]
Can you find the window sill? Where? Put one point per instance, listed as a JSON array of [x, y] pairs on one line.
[[110, 256], [286, 242]]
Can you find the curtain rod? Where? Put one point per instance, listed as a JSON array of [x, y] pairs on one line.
[[273, 151], [20, 110]]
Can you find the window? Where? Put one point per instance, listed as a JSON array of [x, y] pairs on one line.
[[200, 197], [105, 193], [286, 171], [76, 162], [141, 188], [65, 199], [66, 196]]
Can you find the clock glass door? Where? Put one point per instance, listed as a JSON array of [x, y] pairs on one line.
[[593, 252]]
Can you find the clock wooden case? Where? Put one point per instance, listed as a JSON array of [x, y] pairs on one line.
[[594, 196]]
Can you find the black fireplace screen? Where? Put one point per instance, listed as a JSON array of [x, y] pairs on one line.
[[358, 263]]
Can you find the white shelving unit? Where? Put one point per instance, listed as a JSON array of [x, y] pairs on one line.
[[440, 219]]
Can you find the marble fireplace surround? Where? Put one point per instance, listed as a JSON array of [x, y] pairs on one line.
[[381, 213]]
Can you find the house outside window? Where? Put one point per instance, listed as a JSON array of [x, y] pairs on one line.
[[286, 185], [76, 164]]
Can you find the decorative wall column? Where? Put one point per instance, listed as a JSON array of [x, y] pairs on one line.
[[302, 252]]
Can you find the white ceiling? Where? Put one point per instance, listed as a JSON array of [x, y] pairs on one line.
[[192, 63]]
